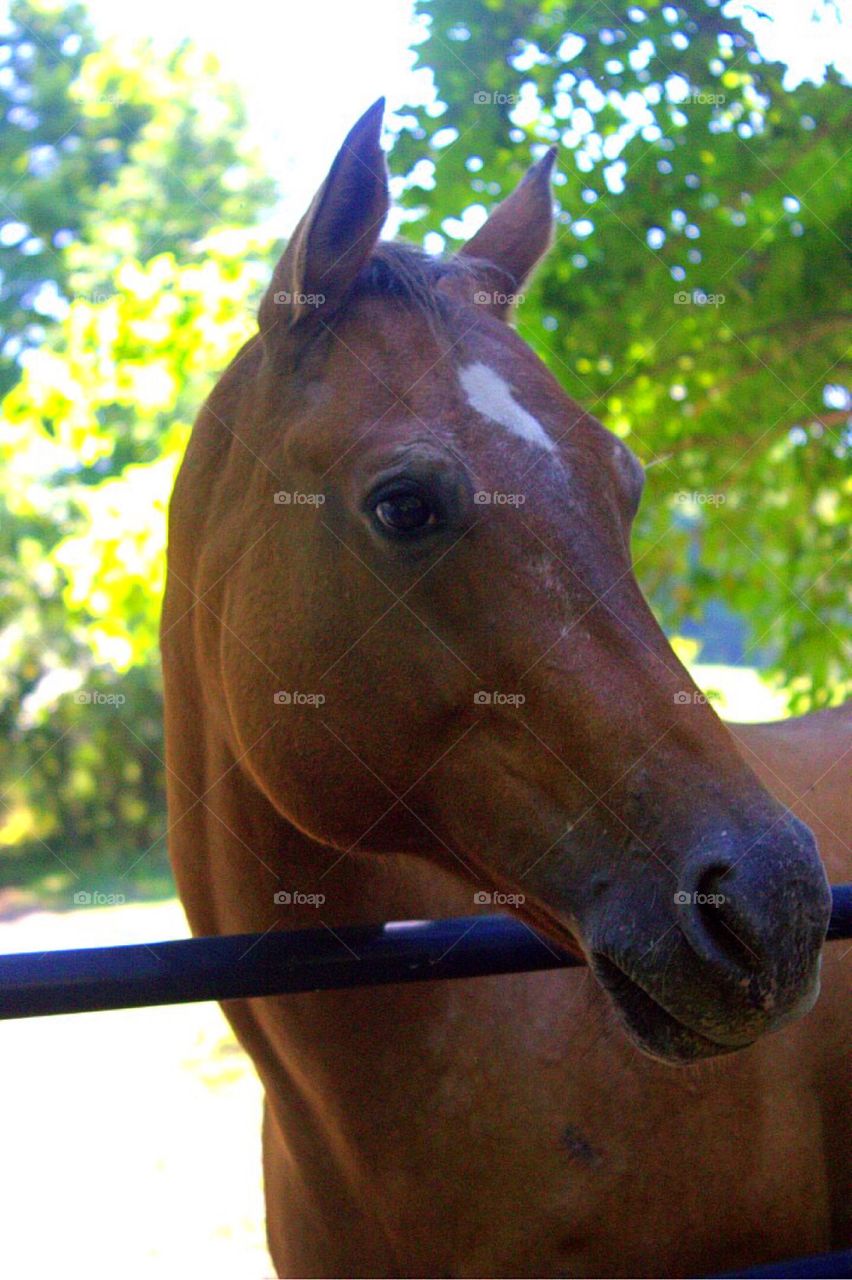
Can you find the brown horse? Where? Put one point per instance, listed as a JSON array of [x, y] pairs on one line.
[[409, 673]]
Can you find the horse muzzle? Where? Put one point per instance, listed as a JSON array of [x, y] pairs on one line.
[[734, 953]]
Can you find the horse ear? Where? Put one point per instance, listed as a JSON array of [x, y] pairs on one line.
[[334, 238], [516, 236]]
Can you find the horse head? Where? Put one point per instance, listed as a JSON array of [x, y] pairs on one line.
[[428, 557]]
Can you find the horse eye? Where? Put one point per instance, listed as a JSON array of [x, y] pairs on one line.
[[405, 512]]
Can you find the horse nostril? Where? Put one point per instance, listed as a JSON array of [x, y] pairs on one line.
[[712, 891], [716, 924]]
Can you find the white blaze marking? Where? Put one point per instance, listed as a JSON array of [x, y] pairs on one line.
[[491, 395]]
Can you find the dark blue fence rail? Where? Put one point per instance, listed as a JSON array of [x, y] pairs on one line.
[[283, 963], [825, 1266]]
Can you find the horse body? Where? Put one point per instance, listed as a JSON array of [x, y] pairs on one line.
[[496, 1126], [804, 761]]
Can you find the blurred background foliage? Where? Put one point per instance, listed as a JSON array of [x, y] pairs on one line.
[[130, 266], [695, 300]]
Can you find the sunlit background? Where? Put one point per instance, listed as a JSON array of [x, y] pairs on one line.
[[152, 157], [280, 76]]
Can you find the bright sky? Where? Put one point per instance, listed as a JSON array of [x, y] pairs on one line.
[[308, 70]]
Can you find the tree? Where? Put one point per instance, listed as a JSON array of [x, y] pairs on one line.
[[105, 154], [84, 562], [694, 299], [132, 286]]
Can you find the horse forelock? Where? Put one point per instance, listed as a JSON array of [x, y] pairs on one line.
[[405, 274]]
